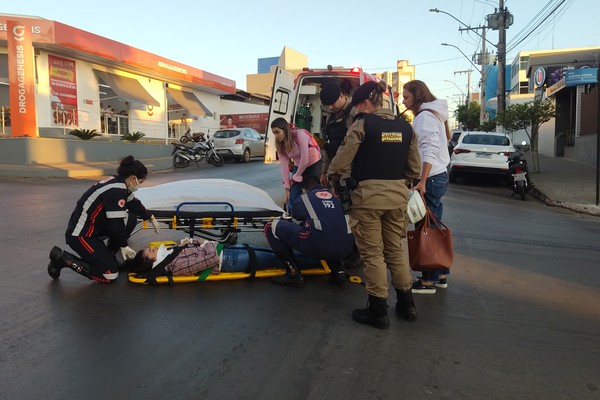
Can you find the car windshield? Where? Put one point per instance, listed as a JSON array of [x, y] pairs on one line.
[[226, 134], [487, 139]]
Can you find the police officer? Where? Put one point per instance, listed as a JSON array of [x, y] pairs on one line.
[[321, 232], [341, 113], [106, 211], [380, 152]]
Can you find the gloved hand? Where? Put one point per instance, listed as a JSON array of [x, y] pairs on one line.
[[127, 252], [154, 223]]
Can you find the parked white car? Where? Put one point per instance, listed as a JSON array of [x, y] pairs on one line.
[[239, 143], [481, 153]]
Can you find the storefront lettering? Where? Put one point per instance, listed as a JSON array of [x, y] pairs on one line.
[[34, 29]]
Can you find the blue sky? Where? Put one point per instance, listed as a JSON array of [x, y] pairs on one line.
[[227, 37]]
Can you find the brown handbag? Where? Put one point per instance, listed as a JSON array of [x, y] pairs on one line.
[[430, 245]]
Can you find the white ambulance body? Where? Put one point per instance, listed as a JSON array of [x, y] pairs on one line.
[[297, 100]]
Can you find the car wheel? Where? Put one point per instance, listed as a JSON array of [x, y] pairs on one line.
[[453, 177], [246, 156]]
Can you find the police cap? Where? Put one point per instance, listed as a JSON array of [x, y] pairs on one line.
[[363, 92], [330, 93]]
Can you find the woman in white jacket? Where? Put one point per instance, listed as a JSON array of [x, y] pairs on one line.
[[429, 124]]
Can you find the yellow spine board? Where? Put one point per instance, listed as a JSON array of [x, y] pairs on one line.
[[227, 276]]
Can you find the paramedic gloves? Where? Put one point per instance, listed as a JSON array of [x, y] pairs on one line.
[[154, 223], [127, 252]]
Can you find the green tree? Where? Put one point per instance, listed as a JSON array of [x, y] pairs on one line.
[[468, 116], [528, 117]]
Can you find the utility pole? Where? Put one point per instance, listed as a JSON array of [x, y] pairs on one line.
[[468, 72], [483, 115], [501, 93]]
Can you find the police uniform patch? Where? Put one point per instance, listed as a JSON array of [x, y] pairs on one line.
[[323, 195], [122, 203], [391, 137]]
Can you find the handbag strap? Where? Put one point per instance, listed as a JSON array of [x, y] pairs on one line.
[[430, 216]]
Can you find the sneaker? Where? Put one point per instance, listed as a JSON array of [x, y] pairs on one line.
[[419, 288], [337, 278], [442, 283]]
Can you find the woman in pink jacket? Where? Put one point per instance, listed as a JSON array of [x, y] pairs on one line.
[[296, 145]]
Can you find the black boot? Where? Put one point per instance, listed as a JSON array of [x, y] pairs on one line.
[[405, 305], [55, 262], [375, 314], [337, 277], [292, 276]]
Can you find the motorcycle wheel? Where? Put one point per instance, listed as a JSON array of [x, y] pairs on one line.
[[180, 162], [184, 139], [521, 190], [216, 160]]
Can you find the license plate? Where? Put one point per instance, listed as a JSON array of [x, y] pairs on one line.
[[222, 151], [519, 177], [483, 155]]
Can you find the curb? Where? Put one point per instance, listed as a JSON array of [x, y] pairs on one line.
[[580, 208]]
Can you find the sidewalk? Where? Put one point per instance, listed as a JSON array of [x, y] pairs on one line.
[[566, 183], [77, 169], [562, 182]]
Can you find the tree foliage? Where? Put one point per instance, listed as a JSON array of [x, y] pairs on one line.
[[468, 116], [528, 117]]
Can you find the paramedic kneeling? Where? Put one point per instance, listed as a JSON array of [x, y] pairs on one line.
[[107, 211], [321, 232]]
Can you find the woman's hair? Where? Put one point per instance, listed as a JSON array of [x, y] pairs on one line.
[[421, 94], [376, 96], [138, 264], [285, 146], [130, 166]]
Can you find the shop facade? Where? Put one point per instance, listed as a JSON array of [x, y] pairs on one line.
[[55, 78]]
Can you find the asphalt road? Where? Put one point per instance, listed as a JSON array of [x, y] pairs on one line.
[[520, 318]]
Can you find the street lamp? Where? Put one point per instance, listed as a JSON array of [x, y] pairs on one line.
[[456, 86], [461, 52], [469, 28]]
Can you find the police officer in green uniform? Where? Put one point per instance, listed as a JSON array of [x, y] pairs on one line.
[[380, 152]]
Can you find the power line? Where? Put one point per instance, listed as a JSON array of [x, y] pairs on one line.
[[545, 18]]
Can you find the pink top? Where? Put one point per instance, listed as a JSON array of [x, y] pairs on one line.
[[305, 152]]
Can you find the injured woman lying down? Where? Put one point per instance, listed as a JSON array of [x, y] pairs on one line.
[[188, 258]]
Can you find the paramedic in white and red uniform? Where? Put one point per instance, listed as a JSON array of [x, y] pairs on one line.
[[106, 211], [321, 231]]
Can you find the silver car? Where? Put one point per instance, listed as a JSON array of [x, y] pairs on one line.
[[239, 143]]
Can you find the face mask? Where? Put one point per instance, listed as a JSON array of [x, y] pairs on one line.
[[134, 188]]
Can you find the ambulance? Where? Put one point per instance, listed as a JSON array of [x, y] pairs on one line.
[[296, 98]]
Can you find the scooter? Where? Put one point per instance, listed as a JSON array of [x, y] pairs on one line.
[[183, 155], [519, 174], [188, 136]]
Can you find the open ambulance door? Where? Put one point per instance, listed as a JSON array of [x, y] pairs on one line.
[[282, 105]]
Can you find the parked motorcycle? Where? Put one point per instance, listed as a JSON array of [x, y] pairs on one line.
[[182, 154], [188, 136], [519, 174]]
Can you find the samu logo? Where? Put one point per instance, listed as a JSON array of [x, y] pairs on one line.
[[19, 33]]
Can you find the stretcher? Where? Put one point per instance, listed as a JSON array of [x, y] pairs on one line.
[[215, 209], [218, 209]]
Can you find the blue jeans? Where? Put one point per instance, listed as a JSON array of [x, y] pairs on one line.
[[296, 187], [435, 187]]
